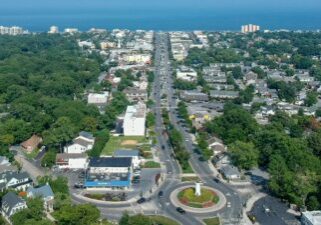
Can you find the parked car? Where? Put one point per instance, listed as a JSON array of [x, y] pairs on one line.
[[180, 210], [78, 185], [141, 200]]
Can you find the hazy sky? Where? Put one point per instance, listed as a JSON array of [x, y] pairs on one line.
[[283, 5]]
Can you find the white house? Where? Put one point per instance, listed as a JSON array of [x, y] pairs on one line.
[[11, 204], [84, 142], [14, 180], [134, 120], [72, 161]]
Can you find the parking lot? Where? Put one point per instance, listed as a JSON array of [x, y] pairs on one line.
[[141, 188]]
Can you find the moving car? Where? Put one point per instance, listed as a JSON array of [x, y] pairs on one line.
[[180, 210], [160, 194], [141, 200]]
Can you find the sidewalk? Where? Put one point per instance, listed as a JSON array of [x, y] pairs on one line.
[[249, 205]]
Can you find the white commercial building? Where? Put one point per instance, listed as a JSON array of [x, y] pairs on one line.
[[53, 30], [250, 28], [98, 98], [134, 120], [71, 161]]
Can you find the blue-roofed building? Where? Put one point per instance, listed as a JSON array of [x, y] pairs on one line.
[[109, 172], [46, 193], [134, 154]]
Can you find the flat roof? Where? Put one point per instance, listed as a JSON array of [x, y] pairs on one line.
[[110, 162]]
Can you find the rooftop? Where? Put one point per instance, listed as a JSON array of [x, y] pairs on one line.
[[110, 162]]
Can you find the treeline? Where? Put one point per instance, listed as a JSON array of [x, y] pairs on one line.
[[42, 81], [288, 148]]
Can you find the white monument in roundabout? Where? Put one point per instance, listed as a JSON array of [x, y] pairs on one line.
[[198, 191]]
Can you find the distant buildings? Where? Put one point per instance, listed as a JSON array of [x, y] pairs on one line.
[[53, 30], [250, 28], [11, 30], [194, 95], [311, 218], [134, 120], [98, 98], [71, 30], [186, 73]]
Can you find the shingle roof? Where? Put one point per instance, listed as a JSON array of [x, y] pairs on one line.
[[111, 162], [44, 191], [86, 134], [8, 175], [9, 201]]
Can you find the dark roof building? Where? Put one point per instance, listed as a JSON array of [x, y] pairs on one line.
[[110, 162]]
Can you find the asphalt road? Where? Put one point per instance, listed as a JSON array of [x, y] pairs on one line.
[[233, 212]]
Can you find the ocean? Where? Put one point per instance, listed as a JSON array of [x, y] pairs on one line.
[[35, 15]]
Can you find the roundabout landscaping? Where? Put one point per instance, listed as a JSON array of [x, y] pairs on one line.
[[210, 200]]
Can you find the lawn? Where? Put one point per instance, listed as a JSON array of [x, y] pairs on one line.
[[212, 221], [186, 179], [151, 164], [122, 142], [163, 220]]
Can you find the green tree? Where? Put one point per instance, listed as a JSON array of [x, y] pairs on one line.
[[244, 155], [49, 159], [82, 214]]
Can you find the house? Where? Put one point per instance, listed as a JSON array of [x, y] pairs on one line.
[[84, 142], [109, 172], [311, 218], [46, 193], [14, 180], [134, 120], [193, 96], [31, 144], [72, 161], [217, 146], [134, 154], [11, 204], [230, 172]]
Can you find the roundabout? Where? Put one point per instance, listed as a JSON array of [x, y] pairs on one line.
[[207, 200]]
